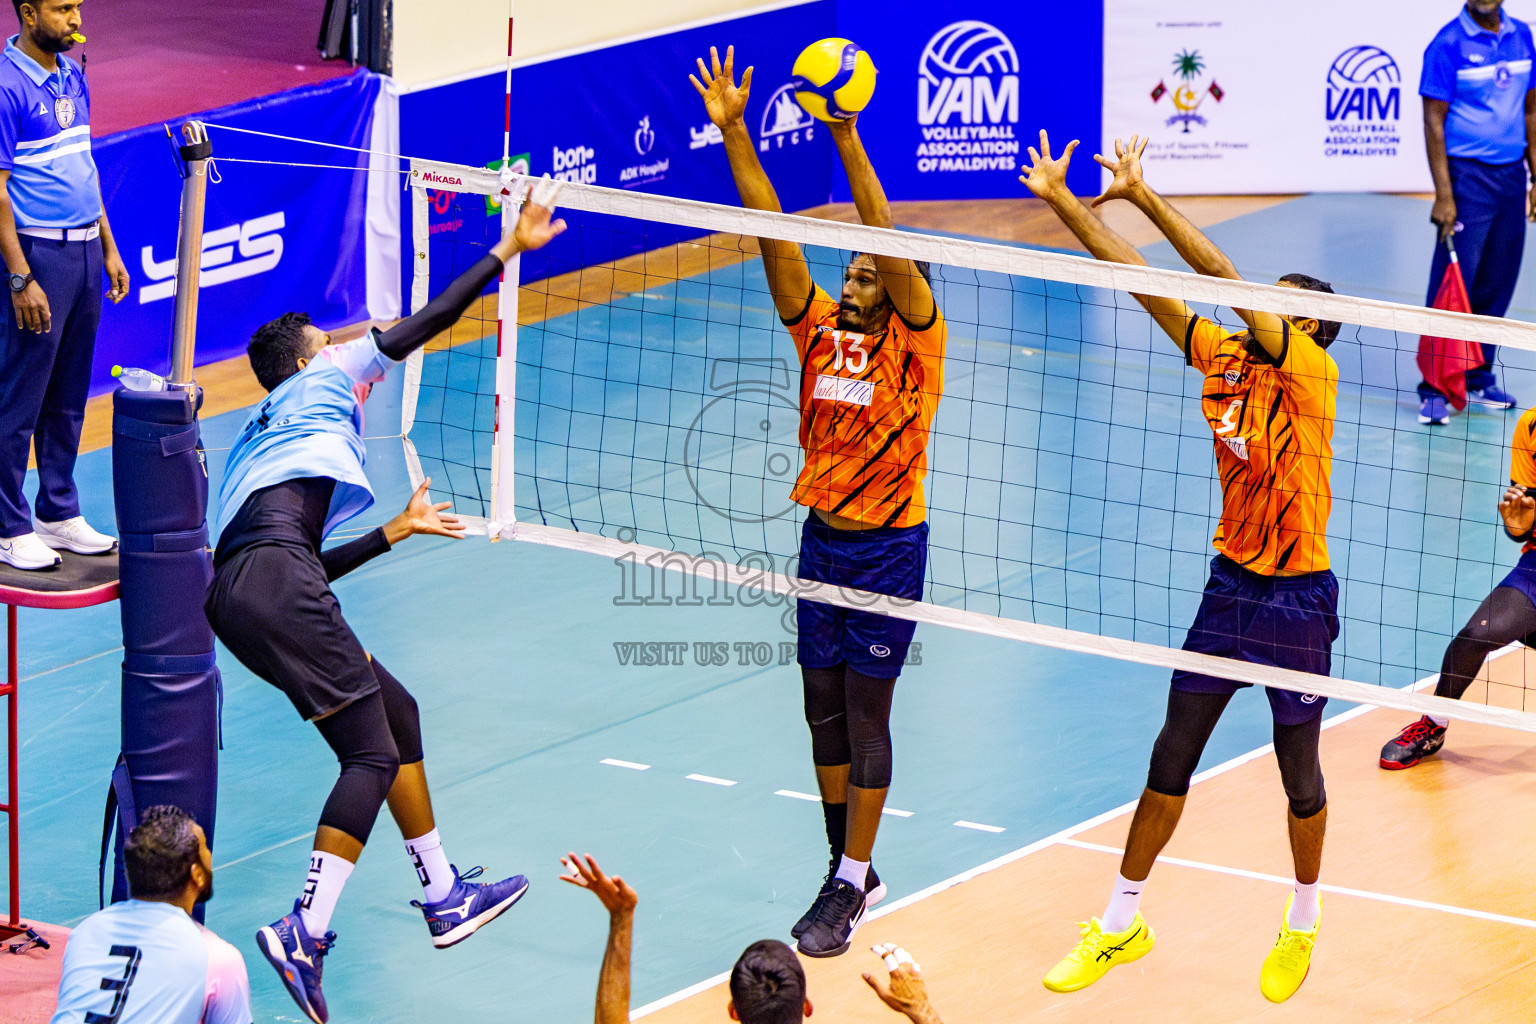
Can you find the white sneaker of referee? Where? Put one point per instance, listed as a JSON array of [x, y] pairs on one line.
[[145, 960]]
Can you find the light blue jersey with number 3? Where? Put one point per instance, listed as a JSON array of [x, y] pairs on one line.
[[139, 962]]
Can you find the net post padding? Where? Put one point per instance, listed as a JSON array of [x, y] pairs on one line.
[[1012, 260], [420, 280], [503, 509], [727, 575]]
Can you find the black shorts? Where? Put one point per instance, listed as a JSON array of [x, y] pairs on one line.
[[273, 608]]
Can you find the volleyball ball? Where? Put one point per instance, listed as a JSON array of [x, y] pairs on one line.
[[833, 79]]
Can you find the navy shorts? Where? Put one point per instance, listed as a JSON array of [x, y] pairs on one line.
[[1284, 621], [1523, 577], [886, 560]]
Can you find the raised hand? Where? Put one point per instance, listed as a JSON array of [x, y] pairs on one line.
[[1126, 167], [423, 516], [724, 100], [905, 992], [614, 892], [534, 229], [1047, 177], [1518, 511]]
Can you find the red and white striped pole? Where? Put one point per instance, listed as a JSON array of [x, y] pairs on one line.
[[502, 515]]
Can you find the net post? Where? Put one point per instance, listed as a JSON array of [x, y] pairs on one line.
[[421, 267], [503, 509], [195, 153]]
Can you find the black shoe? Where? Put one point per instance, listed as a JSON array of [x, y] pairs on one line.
[[874, 893], [838, 916], [1413, 744]]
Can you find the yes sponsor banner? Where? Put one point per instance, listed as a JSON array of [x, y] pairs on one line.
[[964, 88], [1307, 96], [276, 238]]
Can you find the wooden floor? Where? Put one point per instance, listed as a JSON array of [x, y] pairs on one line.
[[1424, 850], [229, 384]]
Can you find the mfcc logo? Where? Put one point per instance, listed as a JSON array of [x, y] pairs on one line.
[[1363, 103], [1364, 85], [968, 100]]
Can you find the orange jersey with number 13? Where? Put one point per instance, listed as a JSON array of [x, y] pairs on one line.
[[866, 406]]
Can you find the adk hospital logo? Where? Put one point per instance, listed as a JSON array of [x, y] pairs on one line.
[[968, 100], [1363, 104]]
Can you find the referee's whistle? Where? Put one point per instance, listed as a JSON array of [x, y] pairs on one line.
[[77, 37]]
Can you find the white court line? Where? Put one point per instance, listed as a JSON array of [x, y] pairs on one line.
[[711, 780], [1040, 844], [634, 765], [1342, 890], [893, 812], [797, 796], [979, 827]]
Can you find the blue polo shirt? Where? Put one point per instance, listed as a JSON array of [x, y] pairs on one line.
[[1484, 76], [45, 142]]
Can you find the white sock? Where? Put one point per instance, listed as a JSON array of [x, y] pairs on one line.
[[327, 874], [1441, 720], [854, 872], [1306, 908], [432, 870], [1123, 904]]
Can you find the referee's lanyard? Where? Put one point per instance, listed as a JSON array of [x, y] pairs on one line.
[[62, 104]]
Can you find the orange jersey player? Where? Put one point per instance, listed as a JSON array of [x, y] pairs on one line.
[[872, 371], [1268, 395], [1506, 615]]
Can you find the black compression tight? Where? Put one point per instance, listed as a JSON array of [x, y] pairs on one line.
[[1504, 616], [850, 718], [1192, 716], [372, 737]]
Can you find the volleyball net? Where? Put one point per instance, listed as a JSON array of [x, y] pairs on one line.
[[637, 398]]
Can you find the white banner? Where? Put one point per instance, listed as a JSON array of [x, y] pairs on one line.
[[1252, 96]]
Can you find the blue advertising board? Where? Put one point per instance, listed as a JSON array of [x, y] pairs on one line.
[[278, 238], [965, 86], [626, 116]]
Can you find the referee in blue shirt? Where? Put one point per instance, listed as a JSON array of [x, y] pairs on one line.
[[1479, 121], [56, 244]]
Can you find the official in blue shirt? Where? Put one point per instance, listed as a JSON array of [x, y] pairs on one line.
[[56, 243], [1479, 120]]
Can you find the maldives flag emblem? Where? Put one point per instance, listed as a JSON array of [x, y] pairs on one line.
[[1157, 93], [1215, 91]]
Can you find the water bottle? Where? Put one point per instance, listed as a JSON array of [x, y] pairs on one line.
[[135, 379]]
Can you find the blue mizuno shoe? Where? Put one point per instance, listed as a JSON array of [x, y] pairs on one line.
[[1432, 411], [1492, 395], [298, 960], [469, 906]]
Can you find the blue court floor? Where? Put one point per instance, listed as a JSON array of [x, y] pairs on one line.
[[514, 653]]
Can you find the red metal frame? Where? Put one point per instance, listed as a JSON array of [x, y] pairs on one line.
[[13, 598]]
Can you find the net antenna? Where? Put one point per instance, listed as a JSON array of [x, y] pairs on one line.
[[582, 490]]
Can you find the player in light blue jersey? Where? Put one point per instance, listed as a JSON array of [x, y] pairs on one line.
[[145, 960], [294, 474]]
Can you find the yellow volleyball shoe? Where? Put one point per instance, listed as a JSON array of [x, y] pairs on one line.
[[1097, 952], [1286, 966]]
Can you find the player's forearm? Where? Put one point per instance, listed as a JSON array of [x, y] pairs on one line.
[[752, 184], [613, 981], [868, 194], [442, 312], [1097, 237], [343, 558], [108, 243], [1188, 241]]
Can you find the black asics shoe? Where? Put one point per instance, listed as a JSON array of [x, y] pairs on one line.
[[838, 916], [874, 893], [1413, 744]]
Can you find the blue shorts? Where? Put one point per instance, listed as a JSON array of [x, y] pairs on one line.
[[1523, 578], [1284, 621], [886, 560]]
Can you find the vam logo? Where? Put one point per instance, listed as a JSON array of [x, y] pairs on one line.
[[1364, 85], [1363, 104], [259, 244], [579, 164], [785, 120], [644, 137], [969, 70]]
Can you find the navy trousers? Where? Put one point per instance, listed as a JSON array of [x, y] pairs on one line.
[[44, 382], [1490, 206]]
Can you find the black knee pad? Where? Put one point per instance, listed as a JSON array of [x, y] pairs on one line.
[[869, 730], [403, 713], [871, 762], [1301, 772], [359, 734], [826, 715]]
